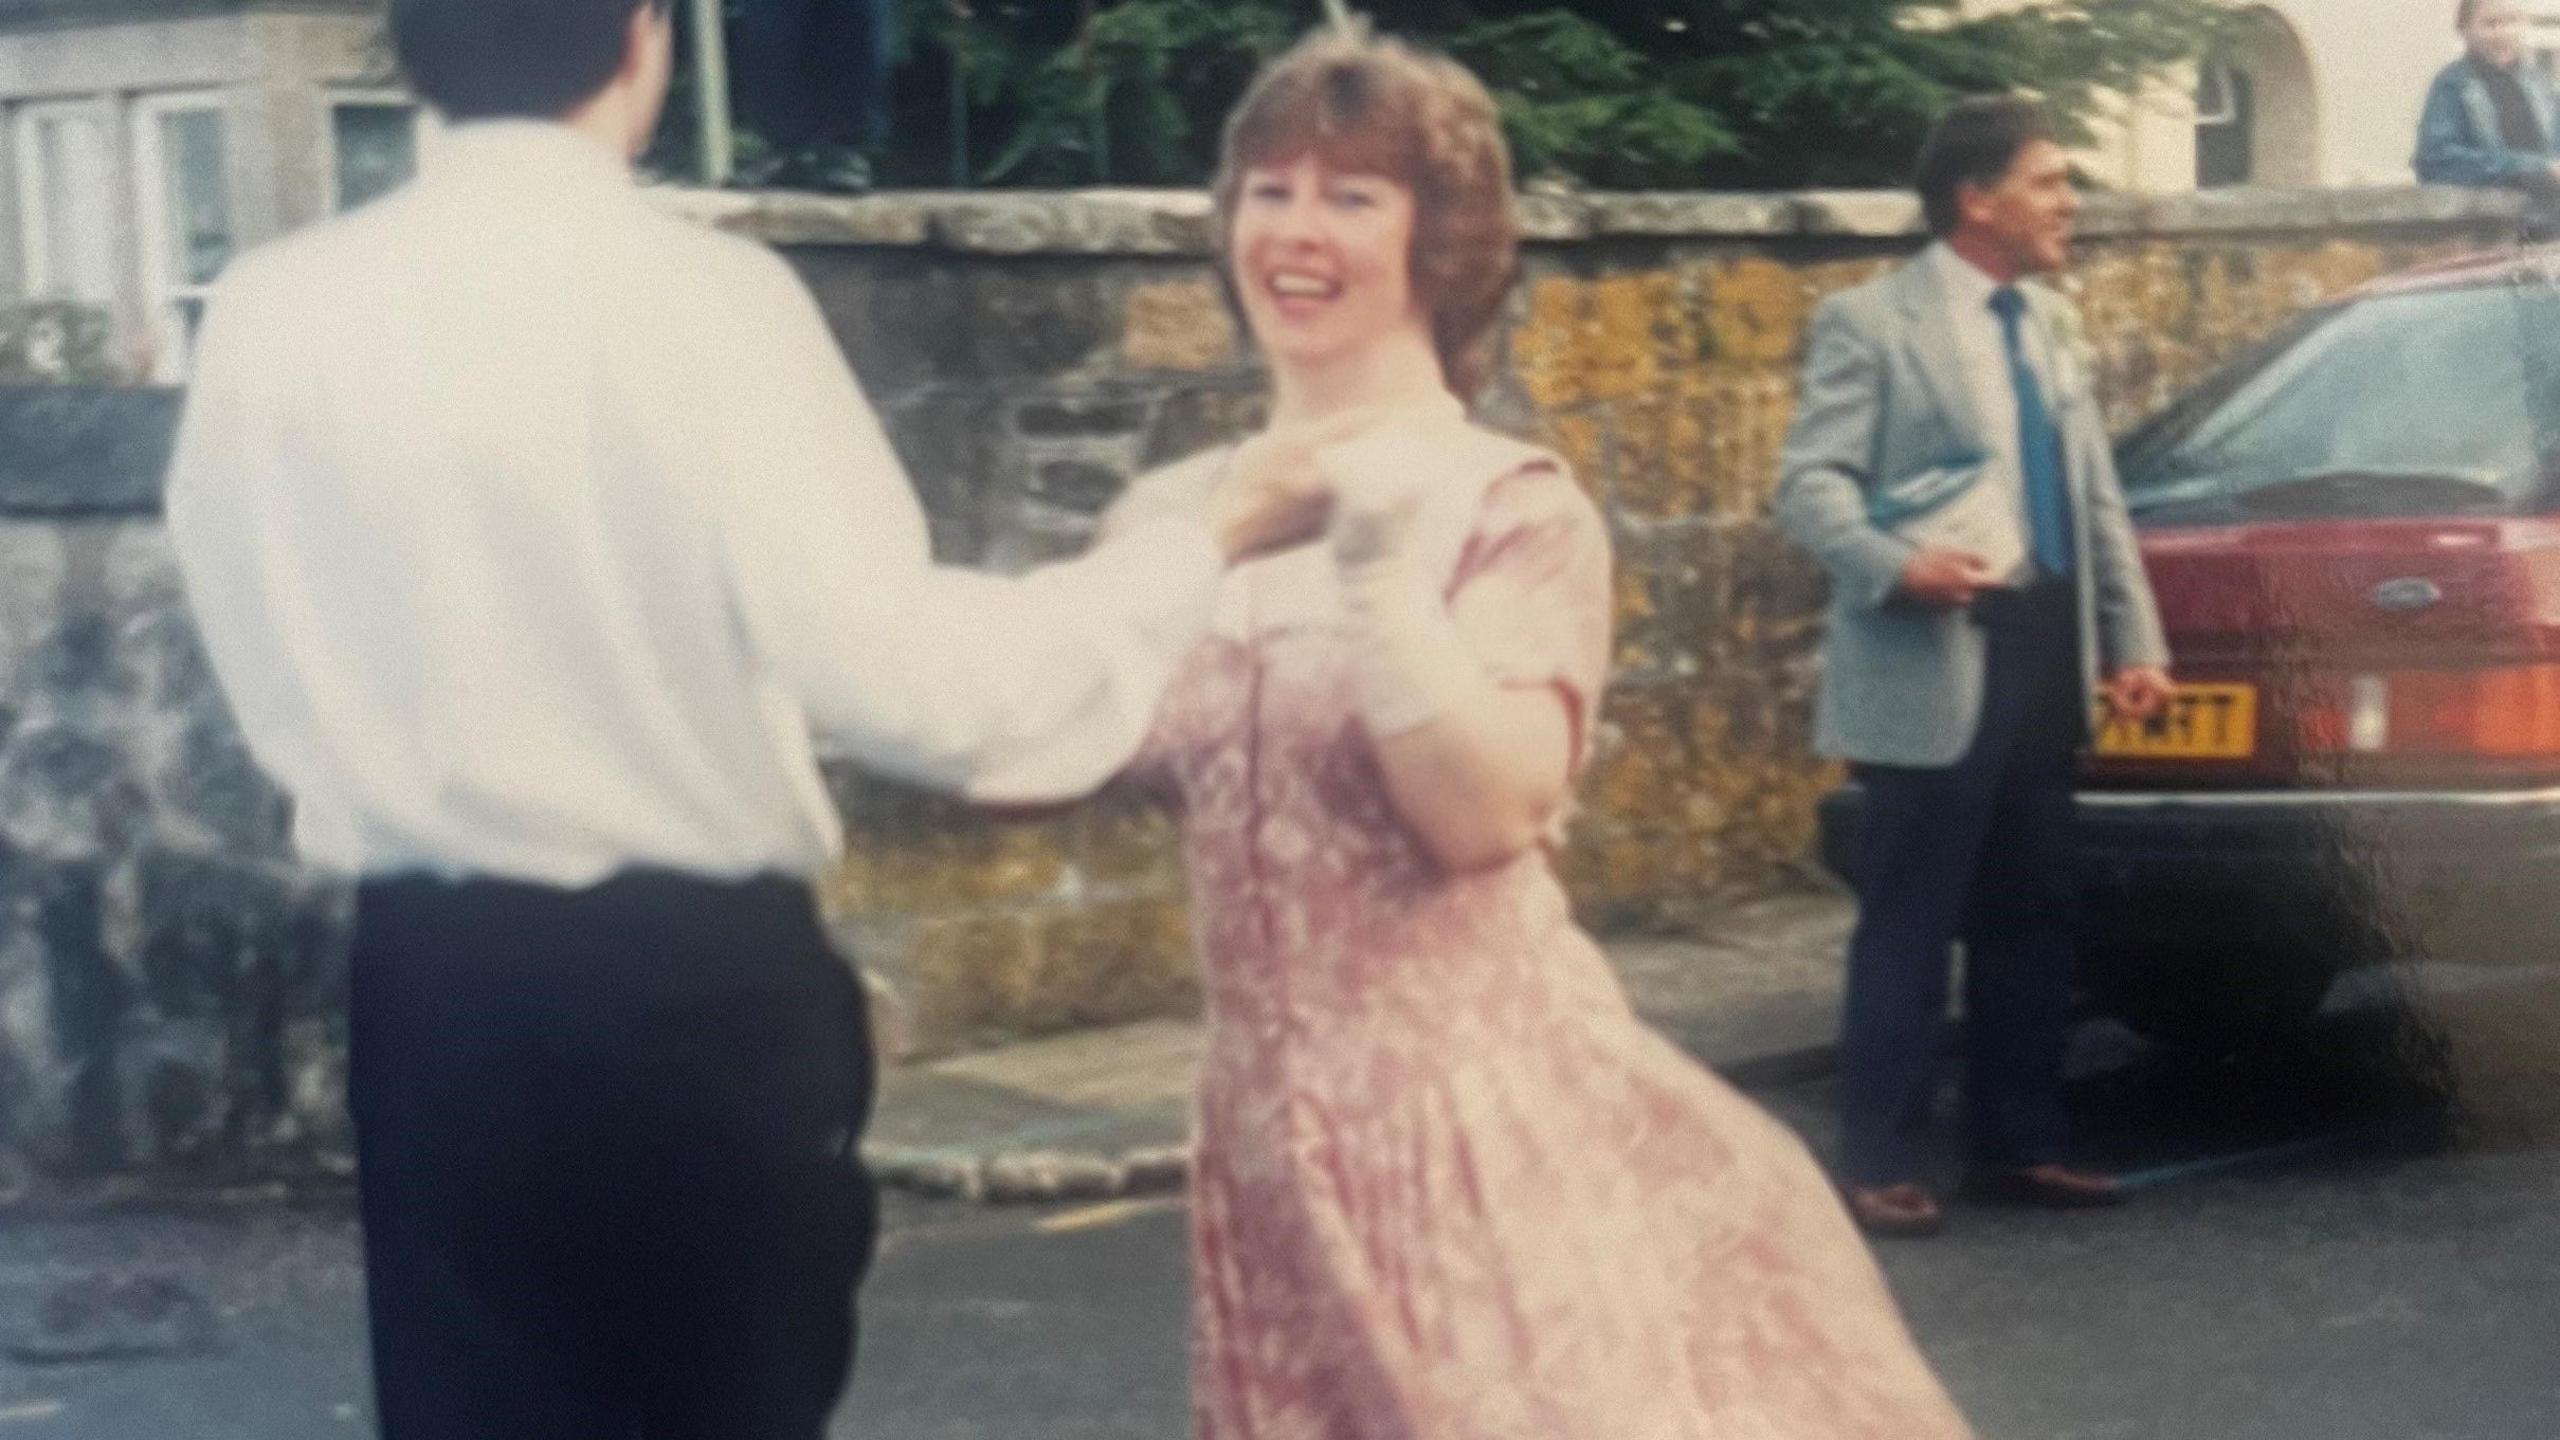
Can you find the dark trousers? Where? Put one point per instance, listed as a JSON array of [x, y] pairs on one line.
[[813, 71], [1982, 852], [608, 1148]]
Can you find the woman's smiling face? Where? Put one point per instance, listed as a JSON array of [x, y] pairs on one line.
[[1323, 259]]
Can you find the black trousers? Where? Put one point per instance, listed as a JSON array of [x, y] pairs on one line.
[[1983, 852], [813, 71], [608, 1145]]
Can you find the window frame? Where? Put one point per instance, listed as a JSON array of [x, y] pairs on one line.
[[39, 269], [164, 292], [426, 128]]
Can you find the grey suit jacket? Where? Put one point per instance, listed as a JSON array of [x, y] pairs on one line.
[[1884, 404]]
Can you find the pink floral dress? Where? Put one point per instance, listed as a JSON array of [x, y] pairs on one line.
[[1448, 1186]]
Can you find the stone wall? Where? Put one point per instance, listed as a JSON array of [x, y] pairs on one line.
[[1032, 353], [170, 983]]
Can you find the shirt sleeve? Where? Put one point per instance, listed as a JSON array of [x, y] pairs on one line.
[[1532, 594], [1009, 690], [1179, 490], [216, 511]]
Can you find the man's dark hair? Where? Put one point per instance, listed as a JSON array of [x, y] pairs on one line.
[[523, 59], [2463, 10], [1974, 143]]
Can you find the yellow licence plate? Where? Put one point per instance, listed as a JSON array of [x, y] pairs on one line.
[[2201, 722]]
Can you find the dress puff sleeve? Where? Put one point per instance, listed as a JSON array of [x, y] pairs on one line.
[[1531, 594]]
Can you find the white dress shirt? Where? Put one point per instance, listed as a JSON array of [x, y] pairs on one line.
[[1984, 349], [531, 531]]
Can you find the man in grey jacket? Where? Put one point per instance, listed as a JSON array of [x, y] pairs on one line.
[[1950, 469]]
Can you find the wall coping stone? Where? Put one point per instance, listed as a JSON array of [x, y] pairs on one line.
[[1175, 223], [71, 451], [80, 451], [1861, 214]]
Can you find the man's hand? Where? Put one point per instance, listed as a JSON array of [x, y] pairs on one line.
[[1277, 492], [2139, 693], [1946, 579]]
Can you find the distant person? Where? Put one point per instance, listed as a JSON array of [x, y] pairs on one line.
[[1949, 468], [812, 84], [2491, 116], [1449, 1187]]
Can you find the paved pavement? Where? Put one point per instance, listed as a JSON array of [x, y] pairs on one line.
[[1102, 1113], [2354, 1240], [243, 1316], [2350, 1240]]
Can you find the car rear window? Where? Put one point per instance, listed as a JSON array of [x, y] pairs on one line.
[[2399, 404]]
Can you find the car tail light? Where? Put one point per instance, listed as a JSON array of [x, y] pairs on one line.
[[2513, 711], [2502, 713]]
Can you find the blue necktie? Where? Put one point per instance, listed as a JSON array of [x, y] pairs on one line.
[[2040, 452]]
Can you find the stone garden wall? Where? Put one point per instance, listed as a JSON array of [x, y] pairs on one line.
[[1031, 355], [171, 983]]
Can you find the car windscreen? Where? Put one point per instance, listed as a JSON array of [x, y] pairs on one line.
[[2426, 402]]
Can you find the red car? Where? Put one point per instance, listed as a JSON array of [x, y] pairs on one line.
[[2354, 533]]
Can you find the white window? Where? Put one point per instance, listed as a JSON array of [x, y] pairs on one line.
[[2226, 125], [66, 201], [374, 142], [182, 198]]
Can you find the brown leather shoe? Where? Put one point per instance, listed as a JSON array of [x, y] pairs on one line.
[[1905, 1211], [2045, 1187]]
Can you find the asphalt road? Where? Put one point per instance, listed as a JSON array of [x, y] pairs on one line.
[[2354, 1240]]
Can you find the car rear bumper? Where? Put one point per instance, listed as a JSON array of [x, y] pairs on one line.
[[2432, 871]]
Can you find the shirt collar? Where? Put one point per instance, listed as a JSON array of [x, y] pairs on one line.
[[1968, 286], [542, 154]]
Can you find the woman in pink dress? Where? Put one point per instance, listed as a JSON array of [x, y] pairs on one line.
[[1448, 1186]]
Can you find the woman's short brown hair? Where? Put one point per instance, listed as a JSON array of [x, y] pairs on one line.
[[1377, 106]]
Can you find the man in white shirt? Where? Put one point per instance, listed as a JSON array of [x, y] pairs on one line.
[[530, 532], [1949, 468]]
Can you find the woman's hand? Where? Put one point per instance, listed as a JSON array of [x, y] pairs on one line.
[[1276, 491], [1476, 769], [1412, 666], [1379, 481]]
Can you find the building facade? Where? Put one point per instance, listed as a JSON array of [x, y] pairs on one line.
[[145, 142], [2317, 93]]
